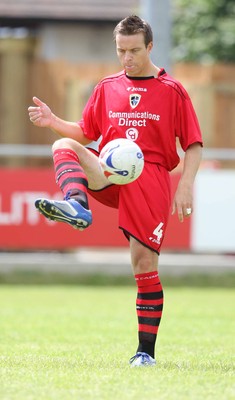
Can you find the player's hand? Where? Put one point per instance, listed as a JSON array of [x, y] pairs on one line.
[[183, 202], [40, 115]]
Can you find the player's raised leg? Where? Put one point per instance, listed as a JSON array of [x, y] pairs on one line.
[[69, 157]]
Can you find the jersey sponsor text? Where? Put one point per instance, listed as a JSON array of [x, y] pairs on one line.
[[134, 118]]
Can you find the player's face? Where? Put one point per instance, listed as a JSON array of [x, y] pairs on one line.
[[133, 55]]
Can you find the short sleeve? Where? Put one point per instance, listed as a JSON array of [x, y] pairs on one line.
[[91, 116], [187, 125]]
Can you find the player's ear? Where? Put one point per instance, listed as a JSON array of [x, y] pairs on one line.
[[150, 46]]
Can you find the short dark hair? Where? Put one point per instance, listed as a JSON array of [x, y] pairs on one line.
[[131, 26]]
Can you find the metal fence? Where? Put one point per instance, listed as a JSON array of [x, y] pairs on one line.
[[27, 150]]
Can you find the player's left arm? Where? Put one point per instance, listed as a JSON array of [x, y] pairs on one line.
[[183, 199]]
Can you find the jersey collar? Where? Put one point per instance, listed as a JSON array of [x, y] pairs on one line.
[[138, 78]]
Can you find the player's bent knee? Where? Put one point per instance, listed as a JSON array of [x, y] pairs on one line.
[[64, 143]]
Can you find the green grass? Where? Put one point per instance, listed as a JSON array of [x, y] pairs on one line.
[[74, 342], [37, 277]]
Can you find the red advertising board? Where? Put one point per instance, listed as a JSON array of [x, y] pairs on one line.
[[22, 227]]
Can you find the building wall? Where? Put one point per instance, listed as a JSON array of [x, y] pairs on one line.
[[77, 43]]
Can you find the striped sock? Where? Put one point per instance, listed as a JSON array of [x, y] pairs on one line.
[[149, 305], [70, 176]]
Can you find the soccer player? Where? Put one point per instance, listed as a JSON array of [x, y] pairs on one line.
[[144, 104]]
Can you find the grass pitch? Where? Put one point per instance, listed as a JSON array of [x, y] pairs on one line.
[[74, 342]]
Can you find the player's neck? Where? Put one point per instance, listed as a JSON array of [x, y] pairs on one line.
[[154, 70], [151, 71]]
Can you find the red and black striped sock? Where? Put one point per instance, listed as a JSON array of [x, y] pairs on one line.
[[149, 305], [70, 176]]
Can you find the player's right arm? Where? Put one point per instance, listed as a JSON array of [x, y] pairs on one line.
[[42, 116]]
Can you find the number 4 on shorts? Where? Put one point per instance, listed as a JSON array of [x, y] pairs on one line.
[[158, 231]]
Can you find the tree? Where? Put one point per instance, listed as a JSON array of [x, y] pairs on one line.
[[204, 30]]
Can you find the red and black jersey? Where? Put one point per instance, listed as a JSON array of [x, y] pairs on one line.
[[153, 112]]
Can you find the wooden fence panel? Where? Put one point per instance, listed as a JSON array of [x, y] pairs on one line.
[[66, 87], [212, 89]]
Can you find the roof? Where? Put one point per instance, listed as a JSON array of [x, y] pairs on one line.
[[91, 10]]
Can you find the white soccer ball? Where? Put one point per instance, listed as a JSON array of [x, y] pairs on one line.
[[121, 161]]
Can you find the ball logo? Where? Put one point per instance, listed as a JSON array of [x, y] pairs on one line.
[[132, 134], [109, 162], [121, 161]]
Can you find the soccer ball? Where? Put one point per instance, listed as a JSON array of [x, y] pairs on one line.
[[121, 161]]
